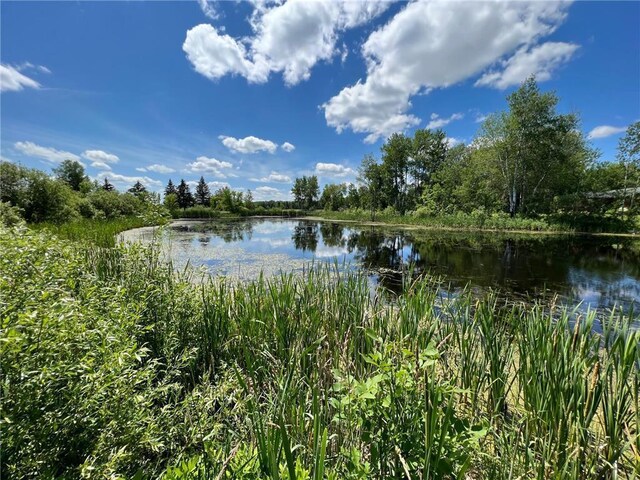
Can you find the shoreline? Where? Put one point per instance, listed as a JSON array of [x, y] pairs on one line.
[[412, 226]]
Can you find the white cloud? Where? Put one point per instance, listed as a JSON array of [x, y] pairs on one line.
[[156, 167], [452, 142], [208, 9], [122, 182], [540, 61], [438, 122], [288, 147], [274, 177], [217, 185], [11, 80], [100, 156], [101, 165], [333, 170], [605, 131], [423, 47], [269, 193], [248, 144], [209, 165], [46, 153], [289, 37]]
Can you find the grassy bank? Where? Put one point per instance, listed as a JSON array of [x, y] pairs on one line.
[[97, 232], [113, 366], [211, 213], [484, 221]]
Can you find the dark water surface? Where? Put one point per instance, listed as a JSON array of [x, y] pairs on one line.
[[598, 272]]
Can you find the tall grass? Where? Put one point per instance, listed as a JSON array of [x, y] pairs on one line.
[[98, 232], [115, 366], [480, 220]]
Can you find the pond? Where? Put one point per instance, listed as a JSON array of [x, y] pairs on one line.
[[593, 271]]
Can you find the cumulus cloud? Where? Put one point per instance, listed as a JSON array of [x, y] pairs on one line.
[[156, 167], [248, 144], [540, 61], [288, 147], [46, 153], [269, 193], [122, 182], [289, 37], [439, 122], [100, 156], [422, 47], [11, 80], [209, 165], [333, 170], [605, 131], [274, 177]]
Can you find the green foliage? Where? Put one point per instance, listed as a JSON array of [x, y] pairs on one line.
[[333, 196], [305, 191], [41, 198], [203, 195], [72, 173], [114, 366]]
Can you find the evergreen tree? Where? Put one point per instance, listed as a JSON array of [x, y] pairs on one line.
[[71, 173], [107, 186], [138, 188], [203, 194], [170, 189], [185, 198]]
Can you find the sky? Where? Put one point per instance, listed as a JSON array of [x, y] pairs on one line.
[[255, 94]]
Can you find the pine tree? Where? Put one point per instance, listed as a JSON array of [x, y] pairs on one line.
[[138, 188], [107, 186], [203, 194], [185, 198], [171, 188]]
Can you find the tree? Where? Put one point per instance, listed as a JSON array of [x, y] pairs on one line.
[[298, 190], [312, 191], [72, 173], [305, 191], [138, 189], [396, 152], [333, 196], [107, 186], [185, 198], [203, 194], [629, 157], [248, 200], [170, 189], [539, 154], [429, 151], [171, 202], [371, 177]]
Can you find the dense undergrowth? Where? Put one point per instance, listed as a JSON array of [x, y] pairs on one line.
[[115, 367], [490, 221]]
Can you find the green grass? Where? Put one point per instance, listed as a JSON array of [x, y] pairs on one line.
[[98, 232], [490, 221], [114, 366]]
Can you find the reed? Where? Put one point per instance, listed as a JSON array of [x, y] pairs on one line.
[[115, 366]]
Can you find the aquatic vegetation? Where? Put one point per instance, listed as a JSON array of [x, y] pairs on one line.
[[115, 366]]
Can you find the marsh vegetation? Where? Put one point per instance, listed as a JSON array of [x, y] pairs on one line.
[[116, 366]]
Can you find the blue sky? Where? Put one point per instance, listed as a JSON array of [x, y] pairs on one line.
[[253, 94]]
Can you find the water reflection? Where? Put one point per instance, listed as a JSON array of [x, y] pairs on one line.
[[599, 271]]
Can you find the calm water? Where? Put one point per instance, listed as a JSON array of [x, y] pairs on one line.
[[597, 271]]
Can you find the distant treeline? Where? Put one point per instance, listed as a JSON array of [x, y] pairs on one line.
[[528, 161], [70, 195]]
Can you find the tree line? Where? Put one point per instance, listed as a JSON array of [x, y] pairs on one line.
[[528, 161], [70, 195]]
